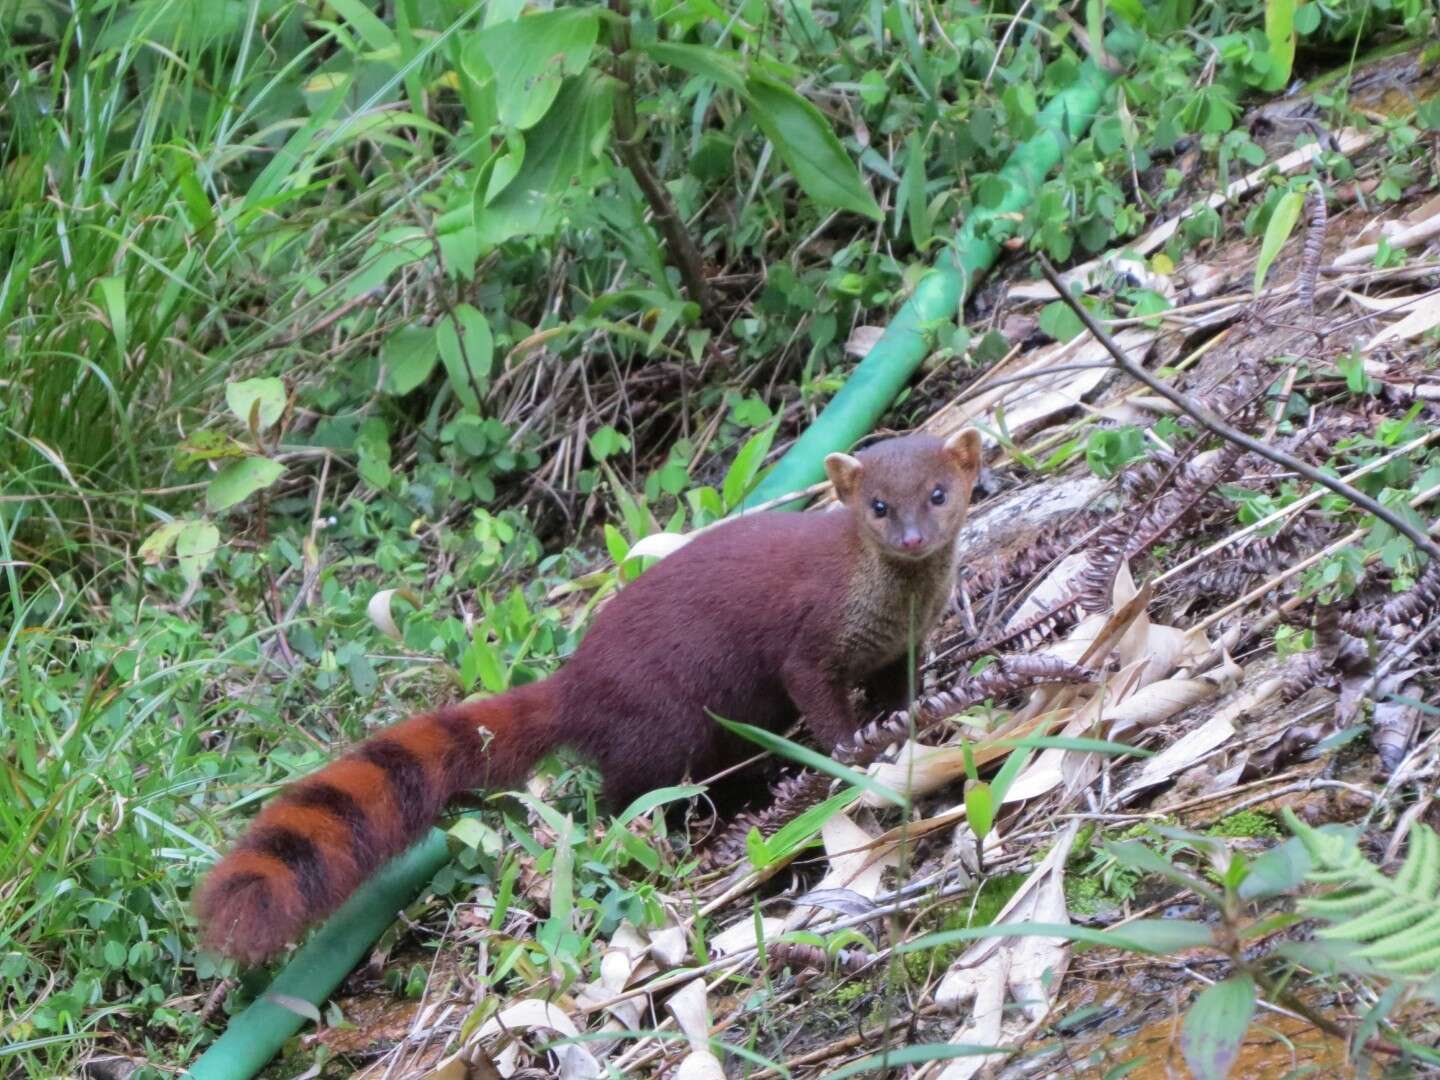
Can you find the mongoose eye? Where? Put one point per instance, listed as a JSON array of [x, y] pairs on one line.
[[937, 496], [880, 507]]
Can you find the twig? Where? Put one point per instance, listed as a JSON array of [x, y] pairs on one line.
[[1217, 426], [1287, 512], [679, 245]]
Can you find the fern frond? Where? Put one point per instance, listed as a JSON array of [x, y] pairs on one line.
[[1396, 919]]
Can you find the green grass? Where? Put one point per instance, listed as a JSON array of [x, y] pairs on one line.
[[194, 192]]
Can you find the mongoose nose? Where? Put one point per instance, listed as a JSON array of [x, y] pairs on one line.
[[912, 539]]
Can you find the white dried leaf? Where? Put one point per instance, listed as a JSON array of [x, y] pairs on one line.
[[1038, 963], [918, 769], [986, 1018], [691, 1010], [862, 339], [853, 865], [380, 612], [658, 545], [741, 935], [700, 1065], [669, 947], [1194, 745], [1424, 314], [576, 1062]]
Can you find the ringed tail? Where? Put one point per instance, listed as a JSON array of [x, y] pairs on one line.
[[319, 839]]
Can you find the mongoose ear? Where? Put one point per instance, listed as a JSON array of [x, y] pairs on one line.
[[964, 451], [844, 472]]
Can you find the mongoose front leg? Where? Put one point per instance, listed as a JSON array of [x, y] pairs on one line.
[[889, 688], [823, 698]]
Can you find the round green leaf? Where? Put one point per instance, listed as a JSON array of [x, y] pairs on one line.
[[239, 480], [530, 57], [262, 400], [195, 546], [409, 355]]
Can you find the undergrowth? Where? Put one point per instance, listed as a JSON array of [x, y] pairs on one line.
[[300, 303]]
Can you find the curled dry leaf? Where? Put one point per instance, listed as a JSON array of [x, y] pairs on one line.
[[1422, 314], [576, 1062], [1048, 770], [1396, 718], [669, 947], [862, 339], [691, 1010], [379, 610], [739, 936], [988, 968], [854, 867], [623, 962], [1213, 733], [658, 545]]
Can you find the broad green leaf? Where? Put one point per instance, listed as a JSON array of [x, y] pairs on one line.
[[1110, 939], [912, 193], [369, 26], [719, 65], [1016, 761], [1059, 321], [979, 808], [803, 139], [530, 57], [1280, 32], [241, 479], [881, 1064], [1166, 935], [195, 547], [795, 834], [266, 395], [467, 353], [607, 441], [1282, 224], [1134, 854], [1278, 872], [1065, 742], [649, 801], [1215, 1027], [561, 154], [159, 541], [740, 477], [409, 355]]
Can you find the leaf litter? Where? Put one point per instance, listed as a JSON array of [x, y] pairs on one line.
[[1185, 669]]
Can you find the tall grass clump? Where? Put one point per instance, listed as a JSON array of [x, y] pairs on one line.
[[188, 188]]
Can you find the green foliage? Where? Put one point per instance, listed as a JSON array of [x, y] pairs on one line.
[[1246, 824], [280, 286], [1392, 923]]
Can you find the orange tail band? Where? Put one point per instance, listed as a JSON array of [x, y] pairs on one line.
[[313, 844]]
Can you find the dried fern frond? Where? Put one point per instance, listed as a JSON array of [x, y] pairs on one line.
[[1033, 632], [798, 954], [1420, 601], [1395, 921], [1314, 245], [1124, 537], [797, 793]]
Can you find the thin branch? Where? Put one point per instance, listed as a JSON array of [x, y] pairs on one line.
[[1217, 426], [678, 244]]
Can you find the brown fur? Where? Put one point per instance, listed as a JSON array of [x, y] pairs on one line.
[[761, 619]]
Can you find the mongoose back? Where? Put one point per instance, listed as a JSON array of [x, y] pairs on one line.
[[761, 619]]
